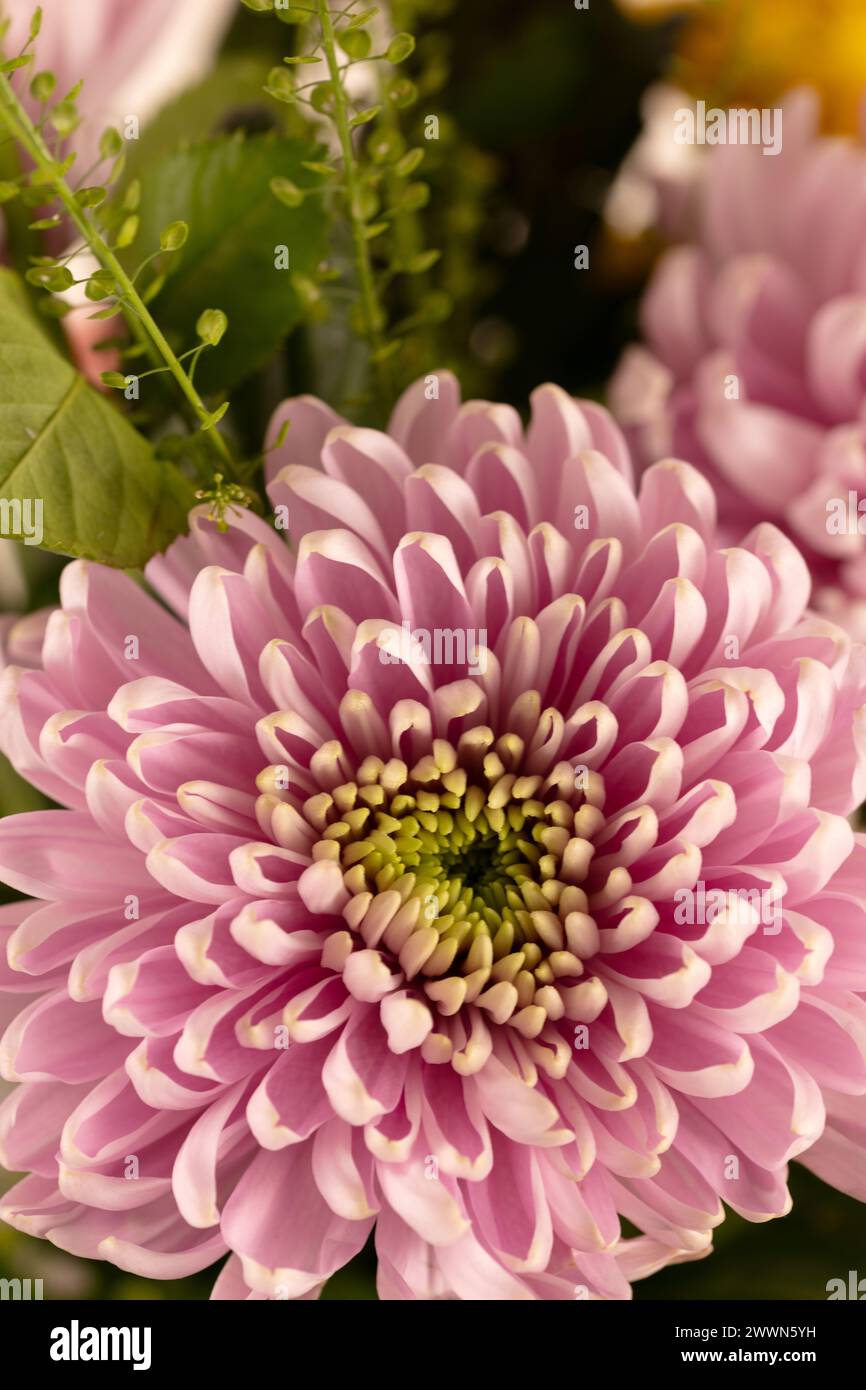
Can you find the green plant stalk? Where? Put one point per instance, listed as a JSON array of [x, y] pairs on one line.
[[139, 317], [370, 310]]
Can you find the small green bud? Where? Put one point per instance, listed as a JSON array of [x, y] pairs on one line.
[[55, 278], [364, 117], [110, 143], [99, 286], [363, 18], [116, 380], [92, 197], [154, 288], [211, 326], [280, 85], [418, 265], [321, 97], [386, 146], [215, 417], [287, 192], [293, 15], [355, 43], [64, 117], [415, 196], [400, 48], [173, 236], [43, 85], [403, 93], [128, 232], [409, 163]]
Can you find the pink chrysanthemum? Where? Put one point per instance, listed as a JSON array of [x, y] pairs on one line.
[[755, 360], [347, 928]]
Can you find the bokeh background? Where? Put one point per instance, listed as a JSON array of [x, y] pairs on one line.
[[539, 105]]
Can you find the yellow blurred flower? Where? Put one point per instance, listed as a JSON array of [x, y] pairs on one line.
[[750, 52]]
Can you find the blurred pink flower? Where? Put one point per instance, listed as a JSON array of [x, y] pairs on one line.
[[754, 366], [134, 55], [354, 925]]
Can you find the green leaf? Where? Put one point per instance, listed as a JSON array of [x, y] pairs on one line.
[[222, 188], [104, 493]]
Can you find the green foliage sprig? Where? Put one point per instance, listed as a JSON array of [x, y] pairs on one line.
[[371, 173], [105, 232]]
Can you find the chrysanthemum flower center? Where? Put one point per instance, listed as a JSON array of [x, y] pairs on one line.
[[465, 872]]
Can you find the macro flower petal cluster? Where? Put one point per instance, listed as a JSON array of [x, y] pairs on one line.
[[376, 899], [754, 363]]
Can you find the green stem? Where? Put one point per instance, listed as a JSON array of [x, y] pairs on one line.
[[141, 321], [371, 314]]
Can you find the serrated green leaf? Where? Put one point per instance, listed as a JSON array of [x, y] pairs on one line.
[[104, 493], [222, 189]]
